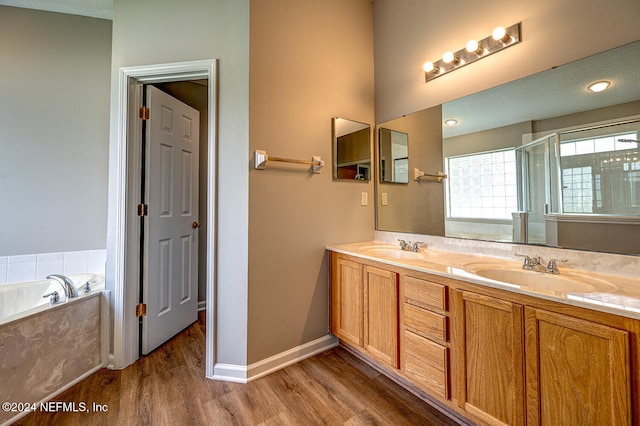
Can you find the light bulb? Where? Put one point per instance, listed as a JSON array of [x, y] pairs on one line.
[[448, 57], [474, 47], [599, 86], [500, 34], [428, 67], [451, 122]]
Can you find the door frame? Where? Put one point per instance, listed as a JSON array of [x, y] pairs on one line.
[[123, 266]]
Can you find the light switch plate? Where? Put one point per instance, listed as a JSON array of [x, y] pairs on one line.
[[384, 199], [365, 199]]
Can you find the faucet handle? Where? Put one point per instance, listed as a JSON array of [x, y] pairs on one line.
[[85, 288], [529, 262], [54, 297], [403, 244], [552, 266], [416, 246]]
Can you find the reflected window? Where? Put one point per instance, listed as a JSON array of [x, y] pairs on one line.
[[601, 175], [482, 185]]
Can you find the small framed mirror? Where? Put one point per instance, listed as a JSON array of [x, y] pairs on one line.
[[394, 156], [351, 150]]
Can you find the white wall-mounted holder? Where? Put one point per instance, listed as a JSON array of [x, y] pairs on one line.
[[439, 176], [261, 158]]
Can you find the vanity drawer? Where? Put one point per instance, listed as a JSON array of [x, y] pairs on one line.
[[426, 363], [425, 323], [424, 294]]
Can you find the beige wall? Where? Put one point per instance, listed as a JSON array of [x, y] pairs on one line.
[[543, 127], [156, 32], [54, 131], [310, 61], [599, 236], [409, 32], [487, 140], [418, 206]]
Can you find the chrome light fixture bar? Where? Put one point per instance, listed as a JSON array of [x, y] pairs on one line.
[[500, 39]]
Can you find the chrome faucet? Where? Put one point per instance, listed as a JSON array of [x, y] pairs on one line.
[[535, 264], [404, 245], [415, 247], [70, 289], [552, 266]]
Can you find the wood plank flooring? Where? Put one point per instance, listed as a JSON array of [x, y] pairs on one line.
[[168, 387]]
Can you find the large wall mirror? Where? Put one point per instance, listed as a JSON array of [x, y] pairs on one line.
[[351, 150], [541, 160], [393, 154]]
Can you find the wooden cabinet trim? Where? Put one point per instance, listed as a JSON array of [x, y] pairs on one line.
[[488, 357], [427, 363], [614, 360], [425, 323], [381, 328], [423, 293]]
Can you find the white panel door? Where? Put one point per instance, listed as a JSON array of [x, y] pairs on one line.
[[170, 285]]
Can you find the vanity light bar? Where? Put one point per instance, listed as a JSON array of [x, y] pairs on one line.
[[499, 40]]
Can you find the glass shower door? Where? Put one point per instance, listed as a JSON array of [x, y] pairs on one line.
[[539, 178]]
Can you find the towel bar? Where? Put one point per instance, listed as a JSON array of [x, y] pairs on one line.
[[261, 158]]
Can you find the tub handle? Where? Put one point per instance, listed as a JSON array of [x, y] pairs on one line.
[[54, 297], [85, 288]]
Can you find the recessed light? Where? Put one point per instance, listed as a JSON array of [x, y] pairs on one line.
[[599, 86], [450, 122]]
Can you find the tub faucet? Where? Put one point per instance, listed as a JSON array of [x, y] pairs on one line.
[[70, 289]]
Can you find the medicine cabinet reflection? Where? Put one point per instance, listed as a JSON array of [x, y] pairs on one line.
[[351, 150], [394, 156]]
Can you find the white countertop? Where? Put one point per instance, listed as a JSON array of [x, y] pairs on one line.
[[610, 293]]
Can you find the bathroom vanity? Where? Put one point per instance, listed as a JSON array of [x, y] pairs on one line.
[[540, 349]]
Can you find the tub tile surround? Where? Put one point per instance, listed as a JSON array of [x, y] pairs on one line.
[[33, 267], [450, 255], [42, 354]]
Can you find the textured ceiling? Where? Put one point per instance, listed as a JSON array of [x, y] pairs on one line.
[[552, 93], [94, 8]]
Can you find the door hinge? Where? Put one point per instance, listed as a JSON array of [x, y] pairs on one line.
[[141, 310], [144, 113], [143, 209]]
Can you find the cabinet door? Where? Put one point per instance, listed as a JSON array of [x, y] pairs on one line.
[[381, 315], [347, 301], [577, 371], [490, 358]]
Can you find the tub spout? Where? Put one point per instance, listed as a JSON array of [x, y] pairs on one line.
[[70, 289]]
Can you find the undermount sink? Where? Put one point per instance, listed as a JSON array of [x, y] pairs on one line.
[[567, 282], [391, 251]]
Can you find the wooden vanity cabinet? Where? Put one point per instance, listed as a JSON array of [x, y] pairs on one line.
[[347, 300], [381, 315], [494, 356], [521, 364], [578, 372], [364, 308], [490, 358], [424, 351]]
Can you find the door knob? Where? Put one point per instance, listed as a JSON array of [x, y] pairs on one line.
[[195, 225]]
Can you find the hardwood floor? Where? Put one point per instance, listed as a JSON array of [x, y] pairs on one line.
[[168, 387]]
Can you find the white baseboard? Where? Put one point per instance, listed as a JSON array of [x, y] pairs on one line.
[[246, 374]]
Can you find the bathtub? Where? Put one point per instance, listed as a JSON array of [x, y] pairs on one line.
[[18, 300], [45, 349]]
